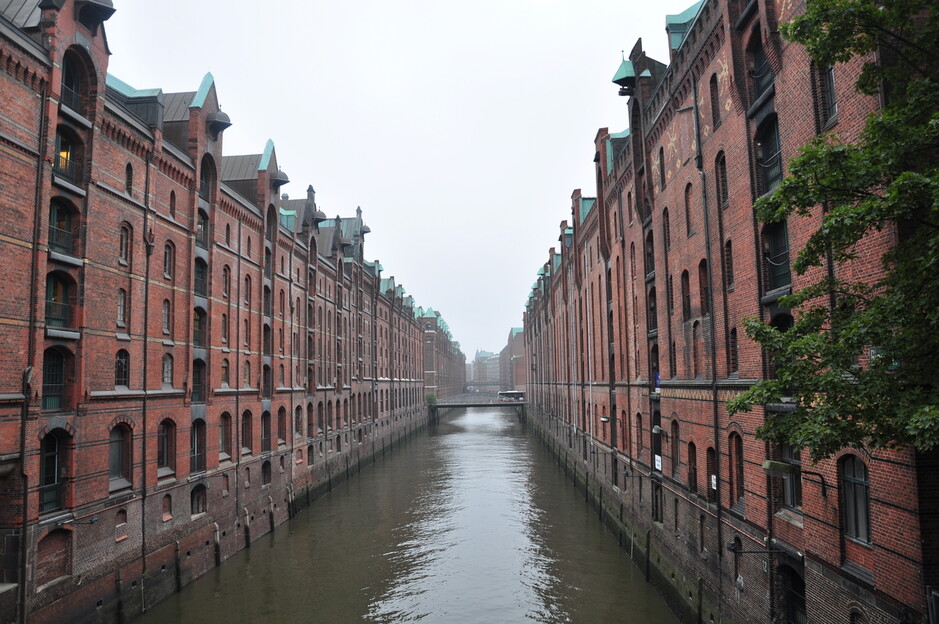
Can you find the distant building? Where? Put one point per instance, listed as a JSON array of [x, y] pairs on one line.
[[513, 364], [486, 368]]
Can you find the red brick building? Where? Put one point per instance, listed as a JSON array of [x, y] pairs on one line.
[[634, 333], [189, 353], [513, 365]]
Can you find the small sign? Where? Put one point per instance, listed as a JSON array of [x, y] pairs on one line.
[[713, 482], [658, 463]]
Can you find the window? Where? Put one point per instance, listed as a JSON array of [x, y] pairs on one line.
[[51, 473], [228, 234], [197, 500], [828, 102], [58, 301], [168, 370], [689, 228], [124, 242], [265, 432], [661, 168], [650, 255], [167, 507], [793, 595], [121, 307], [173, 204], [266, 473], [201, 278], [122, 368], [198, 381], [685, 296], [226, 373], [224, 332], [653, 322], [169, 261], [224, 436], [199, 327], [736, 469], [720, 180], [247, 432], [711, 467], [696, 369], [733, 364], [666, 230], [55, 364], [761, 72], [729, 264], [247, 333], [129, 179], [197, 447], [247, 294], [71, 83], [119, 457], [676, 447], [167, 316], [202, 230], [715, 102], [792, 482], [61, 229], [226, 281], [704, 287], [66, 163], [166, 448], [246, 377], [855, 498], [692, 467], [768, 156], [658, 503], [776, 256], [282, 425]]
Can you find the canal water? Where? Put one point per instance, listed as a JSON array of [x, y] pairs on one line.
[[471, 522]]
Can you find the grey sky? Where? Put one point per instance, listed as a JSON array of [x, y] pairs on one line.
[[460, 128]]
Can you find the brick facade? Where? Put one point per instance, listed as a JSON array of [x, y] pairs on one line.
[[634, 333], [190, 354]]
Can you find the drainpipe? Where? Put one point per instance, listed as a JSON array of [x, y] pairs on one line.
[[31, 352], [713, 341], [148, 243]]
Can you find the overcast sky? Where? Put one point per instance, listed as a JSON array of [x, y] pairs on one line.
[[460, 128]]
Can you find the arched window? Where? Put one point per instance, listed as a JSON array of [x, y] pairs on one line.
[[124, 245], [661, 168], [247, 433], [197, 447], [72, 88], [119, 462], [246, 375], [855, 498], [666, 230], [226, 373], [696, 369], [166, 448], [732, 352], [761, 72], [202, 229], [169, 261], [173, 204], [653, 322], [676, 447], [122, 368], [67, 162], [720, 180], [197, 502], [199, 328], [167, 316], [704, 287], [224, 436], [247, 293], [198, 381], [266, 473], [689, 224], [129, 180], [736, 468], [224, 330], [692, 467], [793, 595], [226, 280], [62, 228], [715, 102], [685, 296], [768, 155], [121, 307], [265, 432], [168, 370], [59, 300], [711, 466], [650, 254], [52, 471]]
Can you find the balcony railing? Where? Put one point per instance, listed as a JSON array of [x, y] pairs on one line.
[[62, 241], [198, 392], [65, 167], [200, 285], [197, 462], [265, 443], [205, 190], [72, 99], [58, 314]]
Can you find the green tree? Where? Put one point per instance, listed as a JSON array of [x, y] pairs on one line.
[[859, 358]]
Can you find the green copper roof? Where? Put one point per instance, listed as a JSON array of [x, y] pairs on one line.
[[556, 261], [266, 156], [626, 70], [609, 147], [128, 91], [515, 331], [586, 205], [199, 100]]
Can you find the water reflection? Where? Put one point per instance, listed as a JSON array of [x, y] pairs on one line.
[[473, 523]]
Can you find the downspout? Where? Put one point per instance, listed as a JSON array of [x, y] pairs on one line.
[[148, 244], [31, 351], [713, 341], [236, 417]]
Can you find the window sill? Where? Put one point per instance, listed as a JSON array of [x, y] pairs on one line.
[[164, 472], [116, 486], [791, 516]]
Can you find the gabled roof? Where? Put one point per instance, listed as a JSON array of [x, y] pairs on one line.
[[586, 205], [177, 106], [22, 13], [678, 26], [244, 167]]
